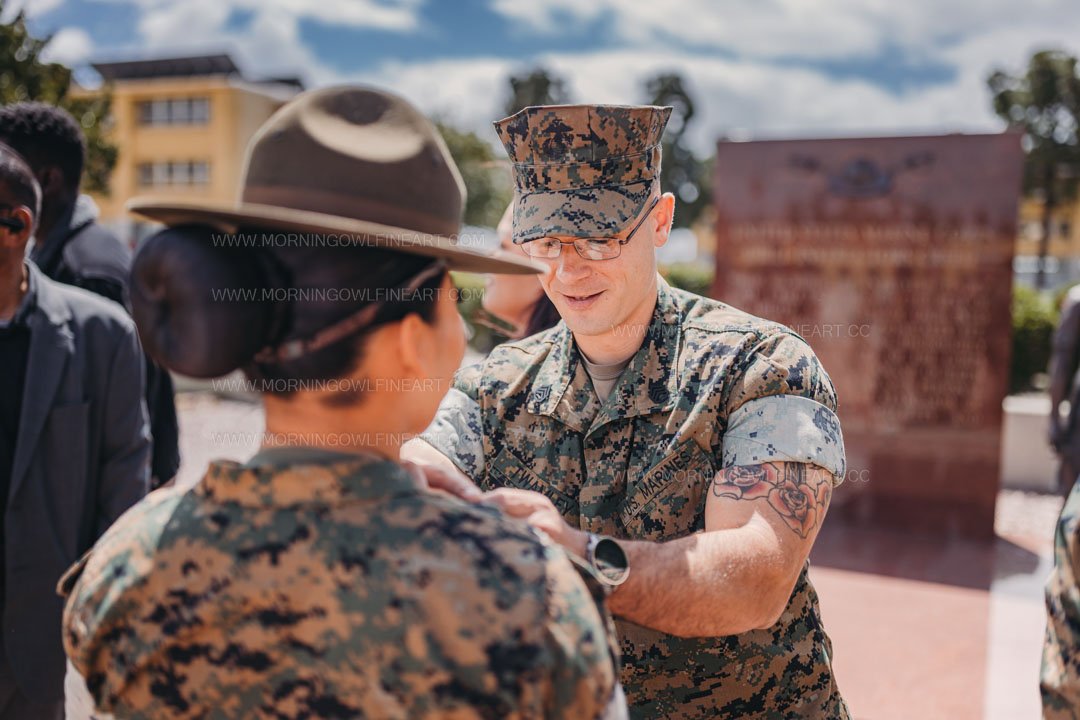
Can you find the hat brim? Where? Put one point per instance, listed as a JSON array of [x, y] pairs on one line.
[[229, 217], [580, 212]]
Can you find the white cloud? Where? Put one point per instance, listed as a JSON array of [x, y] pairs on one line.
[[756, 87], [733, 97], [794, 28], [387, 15], [399, 15], [69, 46], [270, 44], [165, 24], [763, 90], [470, 93]]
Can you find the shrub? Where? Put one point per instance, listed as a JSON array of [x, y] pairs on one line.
[[692, 277], [1033, 321]]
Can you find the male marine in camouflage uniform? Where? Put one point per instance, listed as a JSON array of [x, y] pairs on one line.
[[711, 457], [1060, 682]]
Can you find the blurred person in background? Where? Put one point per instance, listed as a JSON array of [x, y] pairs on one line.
[[73, 248], [1060, 678], [519, 301], [1065, 386], [74, 444]]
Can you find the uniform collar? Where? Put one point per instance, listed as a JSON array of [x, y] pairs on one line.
[[306, 476], [562, 388]]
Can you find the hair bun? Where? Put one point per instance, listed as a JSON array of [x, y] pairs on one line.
[[199, 307]]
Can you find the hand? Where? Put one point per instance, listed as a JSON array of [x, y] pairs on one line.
[[538, 510], [444, 479]]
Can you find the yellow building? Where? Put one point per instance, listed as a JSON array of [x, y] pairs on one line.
[[181, 126], [1062, 264], [1064, 230]]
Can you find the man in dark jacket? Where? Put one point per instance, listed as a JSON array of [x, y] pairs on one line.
[[74, 445], [73, 248], [1064, 364]]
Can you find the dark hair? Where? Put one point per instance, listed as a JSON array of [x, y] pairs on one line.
[[542, 316], [45, 135], [18, 179], [205, 307]]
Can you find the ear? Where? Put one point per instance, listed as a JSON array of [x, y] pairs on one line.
[[662, 217], [52, 181], [415, 345], [12, 238]]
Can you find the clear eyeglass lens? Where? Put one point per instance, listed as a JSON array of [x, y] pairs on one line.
[[546, 248], [589, 248], [600, 248]]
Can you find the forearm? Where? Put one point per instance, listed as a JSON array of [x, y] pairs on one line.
[[738, 575], [421, 452], [704, 585]]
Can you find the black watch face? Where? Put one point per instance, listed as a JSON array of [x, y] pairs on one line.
[[610, 562]]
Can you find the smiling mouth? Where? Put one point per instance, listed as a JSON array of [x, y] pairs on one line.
[[581, 298]]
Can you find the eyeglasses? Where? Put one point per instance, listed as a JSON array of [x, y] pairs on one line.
[[601, 248]]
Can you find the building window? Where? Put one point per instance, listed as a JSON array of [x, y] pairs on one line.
[[179, 173], [200, 173], [190, 172], [175, 111], [200, 111]]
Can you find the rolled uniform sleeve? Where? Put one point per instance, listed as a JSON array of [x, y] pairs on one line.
[[456, 431], [782, 408]]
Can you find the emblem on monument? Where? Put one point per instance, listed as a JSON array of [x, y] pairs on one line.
[[861, 178]]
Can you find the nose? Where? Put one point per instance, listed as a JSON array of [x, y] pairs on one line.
[[569, 266]]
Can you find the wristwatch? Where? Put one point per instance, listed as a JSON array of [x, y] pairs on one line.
[[607, 559]]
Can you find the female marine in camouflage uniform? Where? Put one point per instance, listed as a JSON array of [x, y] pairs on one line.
[[322, 578]]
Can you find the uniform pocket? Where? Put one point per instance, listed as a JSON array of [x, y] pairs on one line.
[[669, 500], [508, 471]]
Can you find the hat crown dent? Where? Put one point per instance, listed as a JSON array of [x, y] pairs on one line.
[[356, 142]]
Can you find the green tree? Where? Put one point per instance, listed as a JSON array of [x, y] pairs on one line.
[[537, 87], [24, 76], [487, 180], [682, 172], [1044, 103]]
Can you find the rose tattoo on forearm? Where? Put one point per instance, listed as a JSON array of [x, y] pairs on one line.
[[798, 492]]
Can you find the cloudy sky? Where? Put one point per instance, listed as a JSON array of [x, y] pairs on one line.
[[757, 68]]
